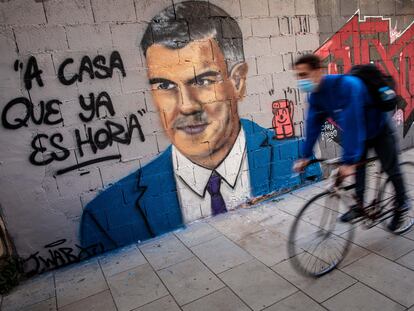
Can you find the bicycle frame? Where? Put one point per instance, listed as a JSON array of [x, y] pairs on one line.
[[374, 211]]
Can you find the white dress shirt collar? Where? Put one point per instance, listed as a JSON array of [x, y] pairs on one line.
[[196, 177]]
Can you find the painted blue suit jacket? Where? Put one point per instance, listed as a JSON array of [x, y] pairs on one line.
[[145, 204]]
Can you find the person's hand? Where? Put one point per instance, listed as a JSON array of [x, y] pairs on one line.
[[300, 165], [346, 170]]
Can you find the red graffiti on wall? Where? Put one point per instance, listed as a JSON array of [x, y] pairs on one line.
[[359, 42], [283, 118]]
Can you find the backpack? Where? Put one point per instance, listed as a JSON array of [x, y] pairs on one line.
[[381, 87]]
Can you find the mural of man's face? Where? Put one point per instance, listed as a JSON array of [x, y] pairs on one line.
[[197, 97]]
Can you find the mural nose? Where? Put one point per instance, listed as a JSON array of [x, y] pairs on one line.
[[189, 103]]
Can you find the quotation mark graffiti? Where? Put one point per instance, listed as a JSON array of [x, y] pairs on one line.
[[17, 65], [141, 112], [31, 72]]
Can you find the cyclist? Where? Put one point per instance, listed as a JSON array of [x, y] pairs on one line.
[[345, 99]]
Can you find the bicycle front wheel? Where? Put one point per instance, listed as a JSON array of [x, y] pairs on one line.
[[318, 241]]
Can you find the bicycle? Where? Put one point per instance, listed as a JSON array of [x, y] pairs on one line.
[[318, 241]]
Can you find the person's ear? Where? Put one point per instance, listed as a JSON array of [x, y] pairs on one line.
[[238, 76]]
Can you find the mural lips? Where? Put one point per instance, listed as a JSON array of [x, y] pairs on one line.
[[193, 129]]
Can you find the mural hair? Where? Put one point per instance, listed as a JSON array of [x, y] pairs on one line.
[[185, 22]]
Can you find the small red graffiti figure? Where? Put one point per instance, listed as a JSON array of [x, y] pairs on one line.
[[283, 118]]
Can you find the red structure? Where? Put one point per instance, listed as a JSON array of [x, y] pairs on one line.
[[371, 40]]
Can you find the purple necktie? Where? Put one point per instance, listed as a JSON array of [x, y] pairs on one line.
[[218, 205]]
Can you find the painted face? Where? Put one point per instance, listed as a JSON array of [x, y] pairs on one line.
[[280, 112], [196, 97]]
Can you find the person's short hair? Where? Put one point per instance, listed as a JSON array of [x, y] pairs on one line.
[[312, 60], [185, 22]]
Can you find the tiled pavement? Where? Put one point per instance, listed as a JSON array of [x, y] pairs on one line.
[[236, 261]]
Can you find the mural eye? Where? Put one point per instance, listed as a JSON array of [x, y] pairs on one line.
[[204, 82], [165, 86]]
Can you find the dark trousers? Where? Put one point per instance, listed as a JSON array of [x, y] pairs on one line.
[[385, 146]]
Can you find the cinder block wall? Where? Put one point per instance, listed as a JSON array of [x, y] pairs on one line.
[[333, 14]]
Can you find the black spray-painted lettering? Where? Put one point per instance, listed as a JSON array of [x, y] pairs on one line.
[[105, 137], [32, 72], [42, 156], [59, 256], [102, 100], [95, 68], [49, 113], [89, 140], [46, 148]]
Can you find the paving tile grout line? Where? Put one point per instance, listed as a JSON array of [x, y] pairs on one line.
[[356, 259], [382, 294], [377, 252], [107, 284], [226, 285], [404, 235], [148, 303], [54, 284], [298, 291], [167, 267], [289, 281], [340, 290], [377, 291], [403, 256], [202, 221], [106, 281], [57, 308], [215, 291], [162, 282], [273, 271]]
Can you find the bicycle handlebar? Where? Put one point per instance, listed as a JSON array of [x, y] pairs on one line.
[[338, 161]]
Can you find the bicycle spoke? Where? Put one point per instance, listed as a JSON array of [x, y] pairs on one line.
[[323, 249]]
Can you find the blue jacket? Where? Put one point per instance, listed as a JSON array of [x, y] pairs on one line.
[[346, 100], [145, 204]]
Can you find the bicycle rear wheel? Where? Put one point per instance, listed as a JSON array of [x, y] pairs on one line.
[[316, 252], [386, 196]]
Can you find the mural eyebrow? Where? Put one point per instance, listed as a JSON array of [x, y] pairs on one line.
[[159, 80], [210, 73]]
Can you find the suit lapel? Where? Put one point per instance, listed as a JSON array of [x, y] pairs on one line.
[[259, 155], [157, 193], [158, 200]]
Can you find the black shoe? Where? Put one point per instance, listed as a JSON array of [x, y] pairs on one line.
[[353, 213], [401, 222]]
